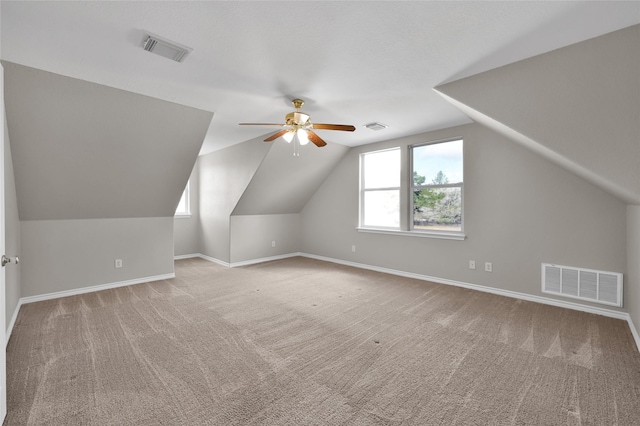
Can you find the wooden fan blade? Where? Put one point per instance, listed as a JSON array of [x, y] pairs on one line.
[[317, 140], [260, 124], [343, 127], [276, 135]]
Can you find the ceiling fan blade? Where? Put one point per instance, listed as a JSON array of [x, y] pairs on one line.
[[276, 135], [317, 140], [343, 127], [260, 124]]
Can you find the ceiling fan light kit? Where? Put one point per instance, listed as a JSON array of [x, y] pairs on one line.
[[299, 129]]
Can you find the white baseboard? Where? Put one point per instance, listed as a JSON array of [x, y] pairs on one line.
[[214, 260], [91, 289], [14, 317], [186, 256], [634, 331], [264, 259], [236, 264]]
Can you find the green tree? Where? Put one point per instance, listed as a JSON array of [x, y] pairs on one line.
[[428, 198]]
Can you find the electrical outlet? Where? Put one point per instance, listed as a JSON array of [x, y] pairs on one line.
[[488, 267], [273, 243], [472, 264], [118, 263], [353, 248]]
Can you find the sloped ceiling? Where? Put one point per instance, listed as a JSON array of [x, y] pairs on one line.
[[85, 151], [353, 62], [284, 183], [579, 106]]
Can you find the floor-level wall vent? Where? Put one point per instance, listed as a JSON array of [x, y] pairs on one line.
[[584, 284]]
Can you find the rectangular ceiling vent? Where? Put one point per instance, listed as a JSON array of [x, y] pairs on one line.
[[584, 284], [376, 126], [163, 47]]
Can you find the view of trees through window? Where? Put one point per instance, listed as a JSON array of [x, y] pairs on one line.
[[437, 202]]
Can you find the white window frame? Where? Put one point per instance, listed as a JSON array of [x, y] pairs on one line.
[[406, 197], [364, 190], [187, 213]]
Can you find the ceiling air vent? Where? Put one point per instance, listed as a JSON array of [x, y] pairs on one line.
[[376, 126], [163, 47]]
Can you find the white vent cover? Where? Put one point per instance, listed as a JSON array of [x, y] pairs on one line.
[[376, 126], [584, 284], [163, 47]]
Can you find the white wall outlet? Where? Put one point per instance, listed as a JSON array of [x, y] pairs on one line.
[[472, 264], [273, 243], [118, 263], [353, 248], [488, 267]]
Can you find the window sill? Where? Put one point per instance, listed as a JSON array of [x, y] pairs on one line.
[[181, 216], [439, 235]]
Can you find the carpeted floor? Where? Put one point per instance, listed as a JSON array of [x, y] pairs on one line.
[[304, 342]]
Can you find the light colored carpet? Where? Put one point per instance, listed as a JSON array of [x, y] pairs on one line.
[[304, 342]]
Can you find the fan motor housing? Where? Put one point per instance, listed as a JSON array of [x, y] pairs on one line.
[[297, 118]]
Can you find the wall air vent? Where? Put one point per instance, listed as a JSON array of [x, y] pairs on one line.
[[163, 47], [584, 284]]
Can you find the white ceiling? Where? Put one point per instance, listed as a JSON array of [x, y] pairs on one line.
[[352, 62]]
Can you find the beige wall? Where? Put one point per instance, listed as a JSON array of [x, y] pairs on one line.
[[520, 210]]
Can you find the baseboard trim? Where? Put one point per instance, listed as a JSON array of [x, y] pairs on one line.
[[91, 289], [214, 260], [186, 256], [264, 259], [237, 264], [12, 323], [634, 332], [508, 293]]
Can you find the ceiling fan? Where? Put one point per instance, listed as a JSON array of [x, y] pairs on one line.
[[298, 124]]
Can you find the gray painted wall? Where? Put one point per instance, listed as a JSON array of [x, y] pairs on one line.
[[98, 175], [12, 233], [224, 176], [59, 255], [520, 210], [252, 236], [578, 105], [632, 286], [284, 183], [186, 230], [85, 151], [251, 194]]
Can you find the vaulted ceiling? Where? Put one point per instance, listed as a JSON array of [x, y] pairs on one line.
[[353, 62]]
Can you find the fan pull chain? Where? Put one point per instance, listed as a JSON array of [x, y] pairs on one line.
[[296, 148]]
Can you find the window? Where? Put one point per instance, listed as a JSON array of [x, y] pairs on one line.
[[437, 178], [183, 206], [415, 190], [380, 189]]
